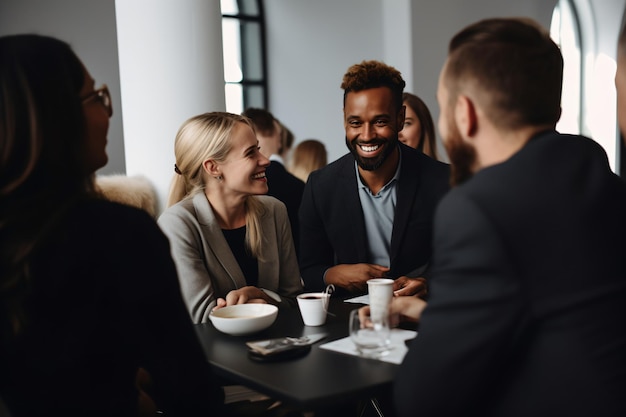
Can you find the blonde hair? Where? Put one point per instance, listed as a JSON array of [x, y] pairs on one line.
[[308, 156], [203, 137]]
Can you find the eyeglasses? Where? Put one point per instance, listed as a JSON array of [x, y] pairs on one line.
[[103, 96]]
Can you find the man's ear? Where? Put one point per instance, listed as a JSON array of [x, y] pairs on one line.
[[211, 167], [465, 116]]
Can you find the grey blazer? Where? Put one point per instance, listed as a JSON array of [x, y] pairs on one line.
[[207, 269]]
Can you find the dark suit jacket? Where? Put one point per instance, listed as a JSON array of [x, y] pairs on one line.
[[527, 309], [288, 189], [332, 225]]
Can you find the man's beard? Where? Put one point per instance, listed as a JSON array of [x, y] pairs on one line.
[[462, 156], [372, 164]]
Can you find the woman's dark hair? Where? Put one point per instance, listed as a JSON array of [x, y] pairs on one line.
[[42, 172]]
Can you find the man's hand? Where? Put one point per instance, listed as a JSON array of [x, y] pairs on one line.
[[403, 308], [407, 308], [353, 277], [409, 286]]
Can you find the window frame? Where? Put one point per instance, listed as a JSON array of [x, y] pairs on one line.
[[246, 82]]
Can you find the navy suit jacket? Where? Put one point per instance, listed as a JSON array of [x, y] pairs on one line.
[[332, 225]]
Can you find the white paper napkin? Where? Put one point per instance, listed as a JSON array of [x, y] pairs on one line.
[[361, 299], [395, 355]]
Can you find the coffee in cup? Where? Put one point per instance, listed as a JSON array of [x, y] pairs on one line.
[[313, 307]]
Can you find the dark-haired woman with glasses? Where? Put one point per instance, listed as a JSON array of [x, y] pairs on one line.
[[88, 290]]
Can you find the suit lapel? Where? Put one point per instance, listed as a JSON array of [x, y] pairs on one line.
[[408, 184], [266, 269], [349, 193], [215, 240]]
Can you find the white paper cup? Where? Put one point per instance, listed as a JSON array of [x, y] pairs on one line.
[[380, 292], [313, 307]]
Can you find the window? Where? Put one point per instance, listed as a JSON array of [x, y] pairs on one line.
[[243, 34], [565, 31], [589, 96]]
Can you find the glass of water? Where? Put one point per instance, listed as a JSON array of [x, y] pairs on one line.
[[370, 338]]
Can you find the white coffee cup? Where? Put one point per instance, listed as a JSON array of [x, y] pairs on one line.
[[380, 292], [313, 307]]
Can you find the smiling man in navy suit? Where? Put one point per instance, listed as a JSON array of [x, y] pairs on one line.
[[369, 214]]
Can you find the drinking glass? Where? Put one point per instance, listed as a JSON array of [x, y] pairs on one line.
[[371, 339]]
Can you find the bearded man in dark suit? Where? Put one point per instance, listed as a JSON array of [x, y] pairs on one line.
[[527, 308]]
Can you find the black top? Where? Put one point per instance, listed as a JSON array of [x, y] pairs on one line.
[[236, 239], [105, 300]]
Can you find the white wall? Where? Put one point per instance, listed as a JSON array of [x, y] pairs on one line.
[[89, 27], [435, 23], [398, 38], [312, 43]]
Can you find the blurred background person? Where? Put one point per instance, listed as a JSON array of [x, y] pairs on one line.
[[231, 243], [282, 184], [286, 142], [419, 129], [88, 289], [308, 156]]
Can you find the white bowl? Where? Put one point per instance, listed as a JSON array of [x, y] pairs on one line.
[[243, 319]]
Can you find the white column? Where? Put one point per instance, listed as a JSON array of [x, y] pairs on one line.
[[171, 68]]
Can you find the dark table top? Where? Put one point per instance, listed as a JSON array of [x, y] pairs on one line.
[[321, 377]]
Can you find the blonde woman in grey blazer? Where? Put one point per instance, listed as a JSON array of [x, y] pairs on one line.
[[218, 187]]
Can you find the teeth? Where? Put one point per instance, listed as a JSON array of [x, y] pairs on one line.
[[259, 175], [369, 148]]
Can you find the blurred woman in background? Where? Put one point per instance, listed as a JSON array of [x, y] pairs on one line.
[[308, 156], [419, 129]]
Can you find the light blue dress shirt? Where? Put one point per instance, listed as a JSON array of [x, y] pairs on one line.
[[378, 211]]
